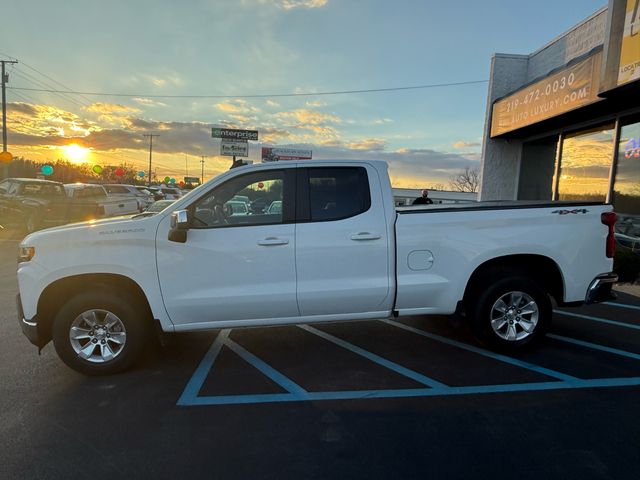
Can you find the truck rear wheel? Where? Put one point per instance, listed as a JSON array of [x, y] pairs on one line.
[[100, 332], [511, 313]]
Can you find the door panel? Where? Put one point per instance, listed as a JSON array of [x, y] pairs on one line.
[[233, 267], [342, 263], [225, 274]]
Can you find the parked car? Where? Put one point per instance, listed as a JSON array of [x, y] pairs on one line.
[[34, 204], [499, 263], [158, 206], [275, 207], [241, 198], [259, 205], [153, 191], [171, 193], [118, 190], [110, 207], [236, 208]]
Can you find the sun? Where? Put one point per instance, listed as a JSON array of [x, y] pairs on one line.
[[76, 153]]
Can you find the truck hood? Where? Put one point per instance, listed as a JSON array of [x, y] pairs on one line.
[[107, 226]]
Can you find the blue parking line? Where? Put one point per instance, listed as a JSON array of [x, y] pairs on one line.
[[406, 372], [197, 379], [496, 356], [595, 346], [598, 319], [622, 305], [295, 393], [416, 392], [286, 383]]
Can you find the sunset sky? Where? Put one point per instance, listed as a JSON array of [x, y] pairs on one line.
[[239, 48]]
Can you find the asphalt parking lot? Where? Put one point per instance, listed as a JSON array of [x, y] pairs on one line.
[[408, 398]]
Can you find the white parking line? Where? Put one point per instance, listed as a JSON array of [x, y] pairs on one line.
[[622, 305]]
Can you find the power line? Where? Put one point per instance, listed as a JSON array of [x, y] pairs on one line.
[[34, 81], [260, 95]]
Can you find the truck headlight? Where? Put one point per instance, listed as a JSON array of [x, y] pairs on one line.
[[25, 254]]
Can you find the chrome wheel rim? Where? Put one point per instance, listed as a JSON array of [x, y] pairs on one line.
[[97, 336], [514, 316]]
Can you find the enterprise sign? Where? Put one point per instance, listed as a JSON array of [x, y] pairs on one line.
[[566, 90], [234, 134]]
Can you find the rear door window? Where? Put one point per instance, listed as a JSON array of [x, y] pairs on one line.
[[336, 193]]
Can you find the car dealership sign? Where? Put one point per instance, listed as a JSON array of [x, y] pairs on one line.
[[271, 154], [234, 148]]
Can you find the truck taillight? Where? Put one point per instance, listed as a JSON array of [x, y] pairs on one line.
[[609, 219]]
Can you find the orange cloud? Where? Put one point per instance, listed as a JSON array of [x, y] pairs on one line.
[[308, 117], [368, 144], [111, 109]]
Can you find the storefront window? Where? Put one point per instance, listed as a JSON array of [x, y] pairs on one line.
[[585, 165], [626, 189]]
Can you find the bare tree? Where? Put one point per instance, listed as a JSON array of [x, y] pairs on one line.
[[468, 180]]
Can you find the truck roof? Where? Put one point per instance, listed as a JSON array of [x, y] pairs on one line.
[[377, 163]]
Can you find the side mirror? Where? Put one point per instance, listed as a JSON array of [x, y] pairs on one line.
[[179, 226]]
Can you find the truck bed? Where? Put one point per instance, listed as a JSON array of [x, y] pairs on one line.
[[495, 205]]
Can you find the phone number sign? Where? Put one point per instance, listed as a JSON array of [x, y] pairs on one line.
[[566, 90]]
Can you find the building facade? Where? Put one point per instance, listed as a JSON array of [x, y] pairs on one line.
[[563, 123]]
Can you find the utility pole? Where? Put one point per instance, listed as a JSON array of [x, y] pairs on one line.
[[6, 156], [150, 135], [202, 170]]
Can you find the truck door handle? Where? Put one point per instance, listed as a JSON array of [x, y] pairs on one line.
[[365, 236], [266, 242]]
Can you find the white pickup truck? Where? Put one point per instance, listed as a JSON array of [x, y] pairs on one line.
[[337, 250], [110, 207]]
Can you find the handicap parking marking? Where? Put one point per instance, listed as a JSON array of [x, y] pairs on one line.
[[496, 356], [598, 319], [285, 382], [197, 379], [404, 371], [295, 393]]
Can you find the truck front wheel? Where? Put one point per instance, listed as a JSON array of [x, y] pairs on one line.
[[511, 313], [100, 332]]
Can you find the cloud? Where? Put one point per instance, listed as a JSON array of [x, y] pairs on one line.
[[111, 109], [237, 106], [272, 104], [315, 104], [370, 144], [148, 102], [227, 107], [382, 121], [38, 130], [36, 120], [307, 117], [292, 4], [288, 4], [462, 144]]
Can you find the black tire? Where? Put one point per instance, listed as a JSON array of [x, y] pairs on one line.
[[519, 329], [134, 323]]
